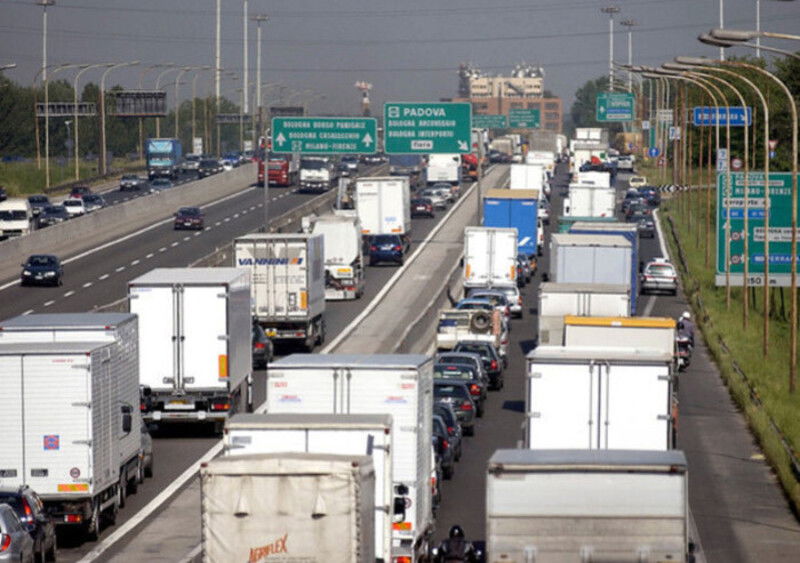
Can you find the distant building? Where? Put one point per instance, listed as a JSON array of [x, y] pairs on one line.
[[549, 108]]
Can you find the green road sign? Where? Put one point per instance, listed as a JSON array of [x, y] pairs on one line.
[[411, 128], [484, 121], [614, 106], [780, 231], [524, 118], [324, 135]]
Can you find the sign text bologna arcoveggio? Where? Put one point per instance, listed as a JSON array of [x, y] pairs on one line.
[[427, 127], [324, 135]]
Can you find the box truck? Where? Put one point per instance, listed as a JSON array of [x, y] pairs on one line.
[[71, 427], [384, 205], [163, 158], [590, 201], [195, 352], [287, 284], [594, 178], [444, 168], [344, 258], [490, 257], [627, 230], [310, 508], [636, 332], [552, 506], [591, 259], [347, 434], [556, 300], [517, 209], [396, 384], [599, 397], [526, 177]]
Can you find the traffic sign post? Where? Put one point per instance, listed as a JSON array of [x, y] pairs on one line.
[[415, 128], [614, 106], [653, 152], [484, 121], [704, 116], [780, 229], [524, 118], [324, 135]]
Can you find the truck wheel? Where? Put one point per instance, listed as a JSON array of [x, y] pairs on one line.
[[52, 553], [111, 513], [122, 489], [148, 469], [133, 484], [93, 526], [320, 333]]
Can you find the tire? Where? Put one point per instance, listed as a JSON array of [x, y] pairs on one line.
[[40, 557], [479, 410], [148, 469], [448, 473], [140, 475], [122, 491], [133, 484], [93, 526], [469, 431], [52, 553]]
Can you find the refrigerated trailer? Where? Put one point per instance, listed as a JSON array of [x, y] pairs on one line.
[[490, 257], [396, 384], [635, 332], [383, 205], [344, 258], [347, 434], [71, 427], [195, 351]]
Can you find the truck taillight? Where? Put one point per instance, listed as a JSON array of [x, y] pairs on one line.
[[73, 518], [445, 444], [220, 405], [465, 406]]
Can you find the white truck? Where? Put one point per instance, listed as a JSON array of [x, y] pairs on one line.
[[490, 257], [195, 351], [396, 384], [635, 332], [556, 300], [599, 397], [553, 506], [526, 177], [347, 434], [590, 259], [344, 256], [504, 145], [16, 217], [444, 168], [317, 174], [71, 426], [287, 284], [587, 200], [384, 205], [594, 178], [289, 507]]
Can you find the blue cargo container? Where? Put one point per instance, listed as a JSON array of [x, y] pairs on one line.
[[627, 230], [517, 209]]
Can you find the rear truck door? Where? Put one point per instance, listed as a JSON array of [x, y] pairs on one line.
[[204, 337], [503, 257], [12, 460], [158, 338], [477, 257]]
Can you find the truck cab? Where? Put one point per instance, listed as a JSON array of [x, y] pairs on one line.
[[317, 174]]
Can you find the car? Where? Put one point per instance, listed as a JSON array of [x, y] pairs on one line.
[[421, 207], [497, 297], [191, 162], [445, 410], [376, 158], [34, 518], [659, 275], [484, 303], [625, 162], [543, 211], [646, 227], [651, 195], [387, 248], [443, 446], [16, 543], [631, 196], [348, 165], [263, 349], [226, 165], [130, 182], [514, 298], [146, 454], [457, 394], [189, 218], [234, 157], [637, 208], [74, 206], [449, 191], [52, 215], [78, 192], [38, 203], [493, 363], [93, 202], [207, 167], [42, 269], [437, 197], [637, 181], [159, 184], [478, 387]]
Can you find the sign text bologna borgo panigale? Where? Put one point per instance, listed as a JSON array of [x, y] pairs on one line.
[[324, 135], [427, 127]]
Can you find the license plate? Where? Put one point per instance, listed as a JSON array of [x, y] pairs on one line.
[[271, 332], [386, 247]]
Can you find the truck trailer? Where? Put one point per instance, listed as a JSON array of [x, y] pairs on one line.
[[344, 256], [591, 259], [517, 209], [384, 205], [490, 257]]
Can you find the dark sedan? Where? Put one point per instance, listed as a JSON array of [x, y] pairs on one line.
[[492, 362], [469, 375], [263, 349], [42, 269], [646, 227], [208, 167], [421, 207], [52, 215], [38, 203], [457, 395], [189, 218], [34, 518]]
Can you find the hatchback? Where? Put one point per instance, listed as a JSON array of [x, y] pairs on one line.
[[466, 374], [659, 275], [38, 203], [387, 248], [263, 349], [492, 362], [637, 181], [457, 394], [34, 518], [444, 447], [42, 269], [93, 202], [445, 410], [15, 541], [437, 197], [421, 207], [52, 215]]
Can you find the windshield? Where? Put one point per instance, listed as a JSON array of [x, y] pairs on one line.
[[661, 270], [450, 391], [73, 203], [404, 160], [474, 306], [209, 163], [474, 348], [13, 215], [40, 261], [38, 199], [189, 211], [313, 164]]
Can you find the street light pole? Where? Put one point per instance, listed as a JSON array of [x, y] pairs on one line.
[[181, 72], [610, 10], [158, 85], [259, 19], [44, 4], [102, 161], [245, 83], [722, 26], [84, 68], [629, 23]]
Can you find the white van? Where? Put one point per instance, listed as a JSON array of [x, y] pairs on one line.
[[16, 217]]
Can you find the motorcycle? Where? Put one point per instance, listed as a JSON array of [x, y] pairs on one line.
[[684, 351]]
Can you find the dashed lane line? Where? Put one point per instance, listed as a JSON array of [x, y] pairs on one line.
[[174, 244], [135, 262], [48, 303], [150, 255], [87, 284], [28, 312], [70, 293], [103, 277]]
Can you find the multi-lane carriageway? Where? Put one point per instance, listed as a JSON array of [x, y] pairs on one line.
[[738, 509]]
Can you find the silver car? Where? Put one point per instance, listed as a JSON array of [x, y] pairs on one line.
[[16, 543], [659, 275], [436, 196]]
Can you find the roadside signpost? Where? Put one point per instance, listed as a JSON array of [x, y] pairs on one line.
[[614, 106], [780, 231], [653, 152], [436, 127], [704, 116], [484, 121], [524, 118], [664, 116], [722, 160], [324, 135]]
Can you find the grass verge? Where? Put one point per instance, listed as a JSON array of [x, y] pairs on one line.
[[22, 179]]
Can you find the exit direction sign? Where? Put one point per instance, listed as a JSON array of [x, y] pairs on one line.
[[324, 135], [414, 128], [709, 115], [483, 121], [524, 118], [614, 106]]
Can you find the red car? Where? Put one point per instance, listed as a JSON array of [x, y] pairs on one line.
[[421, 207], [189, 218]]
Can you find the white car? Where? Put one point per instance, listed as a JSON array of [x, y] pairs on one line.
[[625, 162], [637, 181], [437, 197], [75, 206]]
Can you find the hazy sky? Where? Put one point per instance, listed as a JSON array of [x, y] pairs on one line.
[[408, 49]]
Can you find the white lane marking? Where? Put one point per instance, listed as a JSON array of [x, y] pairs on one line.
[[187, 237], [28, 312], [69, 293], [218, 223], [198, 233], [244, 211], [235, 215], [206, 229], [192, 555], [104, 276], [252, 207], [87, 284], [135, 262], [661, 243], [48, 303], [120, 269], [227, 219], [162, 249], [174, 244], [651, 301], [150, 255]]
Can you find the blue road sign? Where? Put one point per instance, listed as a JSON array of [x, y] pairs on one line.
[[653, 152], [708, 115]]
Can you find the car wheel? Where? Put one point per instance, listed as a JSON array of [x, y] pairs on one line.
[[469, 430], [148, 469], [52, 553], [448, 472], [479, 411], [133, 484], [59, 281]]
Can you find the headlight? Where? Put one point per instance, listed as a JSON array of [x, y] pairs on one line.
[[26, 272]]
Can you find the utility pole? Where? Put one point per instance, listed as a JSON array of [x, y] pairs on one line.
[[44, 4], [610, 10], [259, 19], [245, 83]]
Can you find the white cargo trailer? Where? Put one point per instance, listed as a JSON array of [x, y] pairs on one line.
[[195, 343], [71, 426], [384, 205], [490, 257], [346, 434], [590, 201], [310, 508], [287, 284], [344, 260], [636, 332], [554, 506], [396, 384], [590, 259], [599, 397], [556, 300], [444, 168], [527, 177]]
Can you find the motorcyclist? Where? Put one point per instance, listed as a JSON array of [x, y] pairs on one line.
[[686, 326], [456, 548]]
